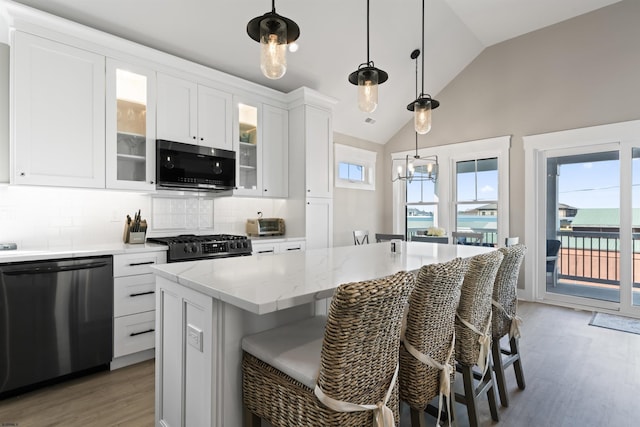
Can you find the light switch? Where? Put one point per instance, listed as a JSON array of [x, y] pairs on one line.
[[194, 337]]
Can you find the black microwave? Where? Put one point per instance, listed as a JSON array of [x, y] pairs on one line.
[[194, 167]]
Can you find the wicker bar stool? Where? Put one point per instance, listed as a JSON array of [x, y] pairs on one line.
[[505, 321], [426, 349], [293, 375], [473, 334]]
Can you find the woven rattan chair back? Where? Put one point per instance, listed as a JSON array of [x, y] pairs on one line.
[[505, 289], [475, 304], [360, 347], [430, 329]]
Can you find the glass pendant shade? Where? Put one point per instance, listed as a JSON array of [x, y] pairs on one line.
[[422, 116], [273, 48], [368, 90]]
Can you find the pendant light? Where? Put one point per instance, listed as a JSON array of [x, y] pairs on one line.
[[416, 167], [367, 77], [423, 105], [274, 32]]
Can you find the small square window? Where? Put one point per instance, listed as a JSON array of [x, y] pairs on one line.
[[351, 172]]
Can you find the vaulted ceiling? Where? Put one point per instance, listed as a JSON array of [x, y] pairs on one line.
[[332, 41]]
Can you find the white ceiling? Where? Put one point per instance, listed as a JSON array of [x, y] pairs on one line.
[[332, 41]]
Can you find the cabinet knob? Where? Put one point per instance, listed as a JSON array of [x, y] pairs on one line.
[[151, 182], [265, 189], [22, 174], [194, 137], [201, 139], [308, 191]]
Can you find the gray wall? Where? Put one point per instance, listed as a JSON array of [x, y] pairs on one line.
[[4, 112], [578, 73], [358, 209]]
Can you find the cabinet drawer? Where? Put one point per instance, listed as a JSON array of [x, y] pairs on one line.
[[131, 264], [134, 333], [134, 294], [264, 248], [292, 246]]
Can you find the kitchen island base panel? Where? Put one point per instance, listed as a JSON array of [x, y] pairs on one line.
[[199, 355]]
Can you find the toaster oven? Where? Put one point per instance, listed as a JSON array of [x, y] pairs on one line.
[[265, 227]]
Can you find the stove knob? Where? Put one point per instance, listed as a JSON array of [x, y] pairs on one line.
[[232, 245], [187, 248], [194, 248]]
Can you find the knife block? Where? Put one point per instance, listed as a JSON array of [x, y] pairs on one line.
[[135, 237]]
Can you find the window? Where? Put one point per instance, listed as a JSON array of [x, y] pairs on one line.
[[355, 168], [351, 172], [472, 191], [477, 197]]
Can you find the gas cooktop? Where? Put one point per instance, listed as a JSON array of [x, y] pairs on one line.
[[190, 247]]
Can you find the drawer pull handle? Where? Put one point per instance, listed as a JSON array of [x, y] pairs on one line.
[[142, 293], [133, 334], [133, 264], [293, 249]]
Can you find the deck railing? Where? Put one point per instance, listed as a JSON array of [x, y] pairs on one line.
[[592, 256]]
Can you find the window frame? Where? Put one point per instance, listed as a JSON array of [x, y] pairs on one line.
[[359, 157]]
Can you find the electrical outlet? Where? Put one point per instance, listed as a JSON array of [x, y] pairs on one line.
[[194, 337]]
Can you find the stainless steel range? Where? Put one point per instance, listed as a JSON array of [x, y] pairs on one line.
[[191, 247]]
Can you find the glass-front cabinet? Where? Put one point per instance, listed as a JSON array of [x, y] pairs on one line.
[[249, 150], [130, 126]]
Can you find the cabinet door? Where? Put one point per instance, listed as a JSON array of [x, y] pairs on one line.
[[248, 147], [319, 152], [215, 118], [177, 109], [130, 126], [59, 101], [319, 223], [275, 152]]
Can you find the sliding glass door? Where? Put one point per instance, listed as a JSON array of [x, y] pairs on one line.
[[583, 225]]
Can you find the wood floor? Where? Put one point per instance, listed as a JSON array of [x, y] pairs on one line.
[[577, 375]]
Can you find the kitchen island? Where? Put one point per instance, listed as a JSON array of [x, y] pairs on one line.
[[204, 308]]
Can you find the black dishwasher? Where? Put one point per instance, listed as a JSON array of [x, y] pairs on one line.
[[56, 319]]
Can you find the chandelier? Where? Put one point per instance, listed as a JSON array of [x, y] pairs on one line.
[[415, 167]]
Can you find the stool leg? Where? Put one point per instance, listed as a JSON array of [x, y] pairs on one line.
[[251, 419], [499, 370], [417, 418], [491, 395], [470, 395], [517, 365]]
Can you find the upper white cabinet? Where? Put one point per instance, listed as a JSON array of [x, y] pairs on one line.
[[313, 126], [262, 145], [130, 126], [275, 152], [193, 113], [58, 114]]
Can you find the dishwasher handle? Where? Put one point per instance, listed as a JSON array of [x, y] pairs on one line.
[[55, 269]]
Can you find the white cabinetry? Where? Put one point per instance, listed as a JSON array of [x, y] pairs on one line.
[[310, 125], [277, 246], [58, 114], [134, 307], [193, 113], [318, 137], [319, 223], [262, 144], [130, 126]]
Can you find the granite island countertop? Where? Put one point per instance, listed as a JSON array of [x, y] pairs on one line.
[[266, 283]]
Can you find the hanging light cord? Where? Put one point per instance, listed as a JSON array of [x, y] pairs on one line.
[[273, 6], [367, 32], [416, 156], [422, 92]]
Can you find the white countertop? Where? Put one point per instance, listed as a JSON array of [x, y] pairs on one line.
[[20, 255], [266, 283]]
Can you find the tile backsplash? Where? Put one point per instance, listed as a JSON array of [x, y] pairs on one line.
[[52, 217]]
